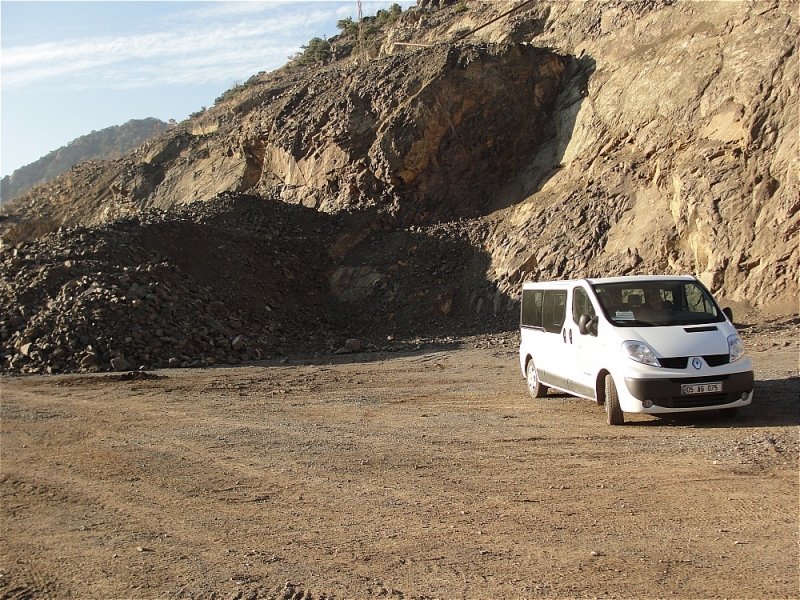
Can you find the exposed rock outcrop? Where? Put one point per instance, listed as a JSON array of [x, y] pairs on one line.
[[430, 133]]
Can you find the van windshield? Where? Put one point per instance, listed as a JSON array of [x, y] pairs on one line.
[[657, 303]]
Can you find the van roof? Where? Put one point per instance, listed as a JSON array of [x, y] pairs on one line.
[[624, 279]]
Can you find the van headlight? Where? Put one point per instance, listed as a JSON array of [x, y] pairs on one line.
[[735, 348], [640, 352]]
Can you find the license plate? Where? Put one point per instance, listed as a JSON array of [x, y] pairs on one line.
[[688, 389]]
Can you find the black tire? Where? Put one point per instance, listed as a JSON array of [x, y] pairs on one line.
[[614, 414], [535, 387]]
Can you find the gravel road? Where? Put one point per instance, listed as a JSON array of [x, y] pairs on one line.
[[418, 474]]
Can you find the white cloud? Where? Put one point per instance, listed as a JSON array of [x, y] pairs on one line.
[[198, 46]]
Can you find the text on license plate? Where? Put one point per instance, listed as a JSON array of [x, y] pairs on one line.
[[701, 388]]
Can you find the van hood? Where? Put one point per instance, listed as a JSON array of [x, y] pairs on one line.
[[676, 341]]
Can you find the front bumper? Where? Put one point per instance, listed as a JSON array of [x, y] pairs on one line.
[[666, 392]]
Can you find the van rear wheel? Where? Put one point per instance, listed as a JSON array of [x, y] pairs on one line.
[[535, 387], [614, 414]]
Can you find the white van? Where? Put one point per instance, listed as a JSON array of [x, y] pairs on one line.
[[647, 344]]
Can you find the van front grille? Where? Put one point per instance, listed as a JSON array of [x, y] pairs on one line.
[[680, 362], [717, 360], [700, 401]]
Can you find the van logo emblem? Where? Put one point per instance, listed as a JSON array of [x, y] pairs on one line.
[[696, 363]]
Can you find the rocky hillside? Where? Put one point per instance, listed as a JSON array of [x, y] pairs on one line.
[[109, 143], [413, 193]]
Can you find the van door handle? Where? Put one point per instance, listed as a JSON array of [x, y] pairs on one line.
[[570, 336], [564, 334]]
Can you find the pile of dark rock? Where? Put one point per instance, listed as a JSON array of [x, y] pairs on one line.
[[147, 315], [110, 298], [144, 315]]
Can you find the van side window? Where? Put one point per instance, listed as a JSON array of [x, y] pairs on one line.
[[531, 315], [554, 309], [581, 305], [698, 302]]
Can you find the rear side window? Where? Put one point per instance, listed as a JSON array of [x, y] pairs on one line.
[[554, 310], [531, 315]]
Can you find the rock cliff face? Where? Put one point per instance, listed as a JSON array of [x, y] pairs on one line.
[[648, 137], [684, 152]]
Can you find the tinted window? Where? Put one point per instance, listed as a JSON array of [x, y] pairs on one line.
[[581, 305], [554, 310], [531, 308], [699, 302]]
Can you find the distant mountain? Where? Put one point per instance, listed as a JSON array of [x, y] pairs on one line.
[[106, 144]]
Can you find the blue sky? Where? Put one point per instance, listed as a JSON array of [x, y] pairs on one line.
[[67, 68]]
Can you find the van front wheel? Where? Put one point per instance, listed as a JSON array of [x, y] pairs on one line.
[[614, 414], [535, 387]]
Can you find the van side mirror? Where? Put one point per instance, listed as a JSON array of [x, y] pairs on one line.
[[587, 325], [728, 313]]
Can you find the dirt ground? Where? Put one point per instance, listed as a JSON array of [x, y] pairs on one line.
[[426, 474]]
